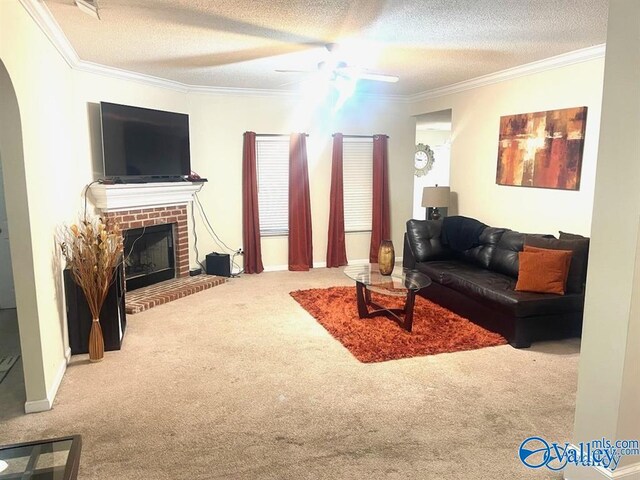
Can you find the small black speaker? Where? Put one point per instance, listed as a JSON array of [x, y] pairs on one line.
[[218, 264]]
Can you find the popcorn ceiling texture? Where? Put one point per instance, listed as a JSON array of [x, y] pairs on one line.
[[230, 43]]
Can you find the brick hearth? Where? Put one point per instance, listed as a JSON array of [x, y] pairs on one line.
[[144, 298]]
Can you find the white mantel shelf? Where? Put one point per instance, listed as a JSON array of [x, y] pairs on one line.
[[127, 196]]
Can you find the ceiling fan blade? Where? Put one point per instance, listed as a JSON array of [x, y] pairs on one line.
[[295, 71], [379, 77]]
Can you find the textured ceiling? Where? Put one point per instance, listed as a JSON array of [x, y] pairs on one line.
[[232, 43]]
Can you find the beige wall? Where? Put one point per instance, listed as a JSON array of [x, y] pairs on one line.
[[608, 399], [39, 193], [60, 127], [474, 150], [217, 125]]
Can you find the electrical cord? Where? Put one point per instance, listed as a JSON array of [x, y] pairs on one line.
[[216, 238], [86, 190], [195, 238], [126, 257]]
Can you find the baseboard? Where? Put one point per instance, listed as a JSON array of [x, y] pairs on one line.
[[35, 406], [360, 261], [628, 472], [276, 268]]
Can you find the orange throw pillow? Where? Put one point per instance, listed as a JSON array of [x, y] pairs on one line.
[[543, 270]]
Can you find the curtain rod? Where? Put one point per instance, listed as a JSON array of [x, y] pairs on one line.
[[276, 134], [361, 136]]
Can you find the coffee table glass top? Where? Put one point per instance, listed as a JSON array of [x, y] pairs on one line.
[[55, 459], [396, 284]]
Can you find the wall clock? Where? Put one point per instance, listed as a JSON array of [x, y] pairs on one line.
[[423, 160]]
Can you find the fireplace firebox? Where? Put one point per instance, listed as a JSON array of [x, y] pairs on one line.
[[150, 256]]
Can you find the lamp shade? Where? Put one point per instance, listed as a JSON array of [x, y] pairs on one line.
[[436, 197]]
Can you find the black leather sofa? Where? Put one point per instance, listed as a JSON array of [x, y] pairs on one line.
[[478, 282]]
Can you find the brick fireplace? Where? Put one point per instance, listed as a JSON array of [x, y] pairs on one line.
[[136, 206], [175, 215]]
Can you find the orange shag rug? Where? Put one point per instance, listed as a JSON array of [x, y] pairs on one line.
[[378, 339]]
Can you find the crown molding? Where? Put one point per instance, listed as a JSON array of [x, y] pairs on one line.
[[43, 18], [563, 60], [47, 23]]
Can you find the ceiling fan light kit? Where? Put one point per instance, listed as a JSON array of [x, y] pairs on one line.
[[335, 68]]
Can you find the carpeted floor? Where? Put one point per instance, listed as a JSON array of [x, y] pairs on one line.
[[435, 329], [240, 382]]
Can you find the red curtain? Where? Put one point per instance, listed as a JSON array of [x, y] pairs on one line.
[[250, 219], [300, 243], [381, 224], [336, 250]]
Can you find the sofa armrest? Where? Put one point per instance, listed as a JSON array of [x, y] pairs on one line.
[[408, 259]]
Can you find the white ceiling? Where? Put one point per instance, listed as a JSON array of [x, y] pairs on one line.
[[240, 44]]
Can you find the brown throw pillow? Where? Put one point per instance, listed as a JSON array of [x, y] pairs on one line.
[[543, 271], [579, 247]]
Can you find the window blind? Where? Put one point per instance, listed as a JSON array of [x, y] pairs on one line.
[[272, 158], [357, 168]]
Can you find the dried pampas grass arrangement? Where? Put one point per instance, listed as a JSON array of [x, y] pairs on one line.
[[93, 249]]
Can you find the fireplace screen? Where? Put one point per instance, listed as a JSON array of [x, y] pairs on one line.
[[149, 255]]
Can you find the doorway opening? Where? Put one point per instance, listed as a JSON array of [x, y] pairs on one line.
[[433, 136], [12, 378]]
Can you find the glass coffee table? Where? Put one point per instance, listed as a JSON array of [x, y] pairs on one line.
[[401, 283], [56, 459]]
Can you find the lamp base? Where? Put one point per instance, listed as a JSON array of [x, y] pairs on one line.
[[435, 215]]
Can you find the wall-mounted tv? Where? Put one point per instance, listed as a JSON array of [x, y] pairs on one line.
[[143, 143]]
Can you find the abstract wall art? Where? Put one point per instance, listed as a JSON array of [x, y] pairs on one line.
[[542, 149]]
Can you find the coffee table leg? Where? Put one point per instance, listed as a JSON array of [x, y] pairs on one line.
[[362, 293], [408, 310]]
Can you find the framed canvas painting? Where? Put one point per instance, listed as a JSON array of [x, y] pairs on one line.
[[542, 149]]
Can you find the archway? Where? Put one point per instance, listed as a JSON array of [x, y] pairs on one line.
[[34, 392]]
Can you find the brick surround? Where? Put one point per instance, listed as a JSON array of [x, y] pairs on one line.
[[147, 217]]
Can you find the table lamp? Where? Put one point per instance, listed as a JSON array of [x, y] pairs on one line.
[[436, 197]]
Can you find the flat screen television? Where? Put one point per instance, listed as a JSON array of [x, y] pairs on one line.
[[141, 143]]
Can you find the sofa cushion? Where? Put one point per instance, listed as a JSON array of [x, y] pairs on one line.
[[505, 256], [496, 290], [543, 270], [424, 240], [481, 255], [570, 236], [580, 248]]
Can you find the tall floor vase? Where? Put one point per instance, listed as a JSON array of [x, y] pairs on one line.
[[96, 342]]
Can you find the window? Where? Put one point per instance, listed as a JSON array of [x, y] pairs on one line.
[[357, 168], [272, 159]]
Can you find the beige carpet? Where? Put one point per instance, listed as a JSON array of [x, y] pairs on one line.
[[239, 382]]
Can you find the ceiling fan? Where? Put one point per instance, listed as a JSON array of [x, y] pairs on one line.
[[338, 69]]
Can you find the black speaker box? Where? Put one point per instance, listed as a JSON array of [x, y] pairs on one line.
[[218, 264], [113, 317]]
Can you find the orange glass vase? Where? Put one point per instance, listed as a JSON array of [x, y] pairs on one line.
[[386, 257]]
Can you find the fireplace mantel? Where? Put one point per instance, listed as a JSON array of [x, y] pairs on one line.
[[127, 196]]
